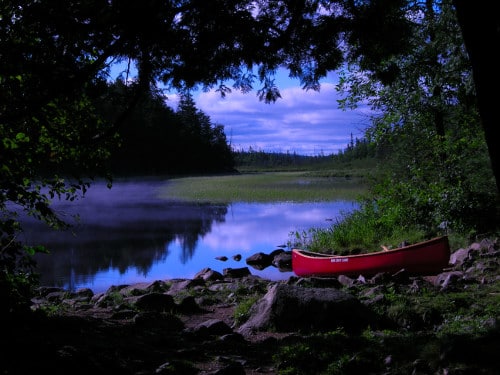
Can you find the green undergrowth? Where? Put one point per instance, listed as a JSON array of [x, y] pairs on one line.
[[366, 230], [388, 352], [428, 331], [242, 310]]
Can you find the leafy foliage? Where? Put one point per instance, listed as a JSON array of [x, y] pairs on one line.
[[434, 169], [17, 275], [56, 60]]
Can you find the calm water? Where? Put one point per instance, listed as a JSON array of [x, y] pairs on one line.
[[127, 234]]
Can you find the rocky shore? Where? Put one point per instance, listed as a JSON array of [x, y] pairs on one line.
[[237, 323]]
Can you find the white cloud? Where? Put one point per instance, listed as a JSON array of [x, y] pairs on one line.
[[305, 122]]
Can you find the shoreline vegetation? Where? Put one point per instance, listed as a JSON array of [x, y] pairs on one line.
[[306, 179], [452, 329], [316, 180], [443, 324], [316, 183], [289, 186]]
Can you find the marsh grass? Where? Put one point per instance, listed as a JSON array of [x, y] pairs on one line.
[[363, 230], [264, 187]]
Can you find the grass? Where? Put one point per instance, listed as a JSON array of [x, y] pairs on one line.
[[364, 230], [296, 186], [242, 310], [436, 331]]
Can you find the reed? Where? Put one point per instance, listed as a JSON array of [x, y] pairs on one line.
[[363, 230], [264, 187]]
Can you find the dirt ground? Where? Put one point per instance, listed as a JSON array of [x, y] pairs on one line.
[[90, 342]]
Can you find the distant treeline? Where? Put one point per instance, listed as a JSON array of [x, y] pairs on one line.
[[155, 139], [356, 149]]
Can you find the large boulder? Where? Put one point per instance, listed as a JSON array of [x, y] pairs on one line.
[[287, 308]]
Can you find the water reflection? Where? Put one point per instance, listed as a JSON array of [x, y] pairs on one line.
[[128, 235]]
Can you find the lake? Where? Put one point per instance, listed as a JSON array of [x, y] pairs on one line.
[[127, 234]]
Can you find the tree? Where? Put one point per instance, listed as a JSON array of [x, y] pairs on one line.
[[426, 123], [204, 146], [154, 139], [56, 60], [480, 31], [147, 137], [480, 27]]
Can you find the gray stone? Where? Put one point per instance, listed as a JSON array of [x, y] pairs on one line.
[[287, 308]]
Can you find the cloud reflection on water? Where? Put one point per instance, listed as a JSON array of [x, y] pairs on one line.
[[128, 235]]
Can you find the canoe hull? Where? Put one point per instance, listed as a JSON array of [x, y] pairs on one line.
[[424, 258]]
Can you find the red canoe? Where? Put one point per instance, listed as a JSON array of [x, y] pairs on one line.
[[423, 258]]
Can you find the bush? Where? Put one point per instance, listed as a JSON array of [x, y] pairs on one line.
[[17, 271]]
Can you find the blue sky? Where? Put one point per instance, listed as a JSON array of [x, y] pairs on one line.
[[304, 122]]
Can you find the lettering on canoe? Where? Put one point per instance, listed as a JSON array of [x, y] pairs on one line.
[[339, 260]]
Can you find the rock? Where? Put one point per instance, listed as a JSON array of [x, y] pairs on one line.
[[232, 337], [125, 330], [154, 319], [236, 272], [143, 288], [320, 282], [188, 305], [214, 327], [208, 274], [283, 260], [232, 369], [287, 308], [277, 252], [458, 257], [259, 260], [448, 280], [180, 285], [84, 293], [43, 291], [155, 302]]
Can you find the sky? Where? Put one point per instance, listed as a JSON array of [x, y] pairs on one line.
[[301, 122], [304, 122]]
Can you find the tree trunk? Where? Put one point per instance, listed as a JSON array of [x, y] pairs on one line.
[[480, 25]]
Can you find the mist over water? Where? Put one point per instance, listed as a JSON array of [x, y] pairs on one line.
[[127, 234]]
